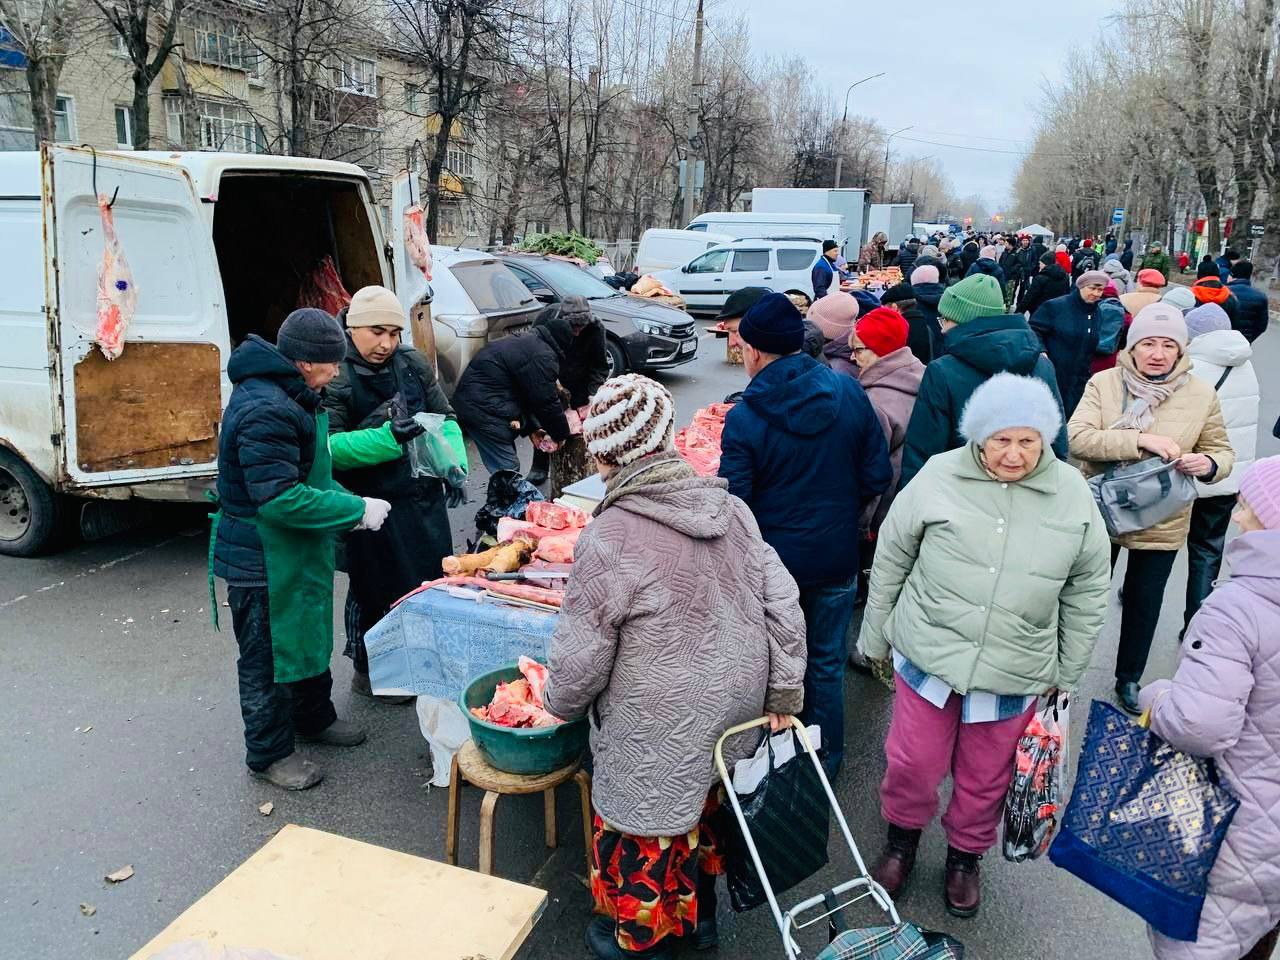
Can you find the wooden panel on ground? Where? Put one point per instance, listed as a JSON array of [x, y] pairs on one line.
[[318, 896], [158, 405]]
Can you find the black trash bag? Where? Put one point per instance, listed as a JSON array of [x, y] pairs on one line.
[[508, 495], [789, 817], [622, 281]]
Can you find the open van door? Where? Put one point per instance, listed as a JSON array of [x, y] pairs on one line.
[[152, 413], [412, 288]]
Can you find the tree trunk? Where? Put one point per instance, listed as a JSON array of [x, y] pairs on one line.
[[42, 81], [1269, 246], [514, 198], [434, 169], [141, 111]]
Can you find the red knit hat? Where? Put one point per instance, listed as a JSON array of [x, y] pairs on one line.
[[882, 330]]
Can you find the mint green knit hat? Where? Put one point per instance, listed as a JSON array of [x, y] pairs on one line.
[[973, 297]]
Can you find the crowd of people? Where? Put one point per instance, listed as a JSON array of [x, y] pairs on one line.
[[922, 454]]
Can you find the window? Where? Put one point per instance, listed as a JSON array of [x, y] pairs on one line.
[[459, 161], [567, 279], [528, 279], [174, 128], [753, 261], [124, 127], [697, 226], [491, 286], [228, 126], [352, 144], [221, 43], [16, 125], [792, 258], [64, 119], [118, 47], [356, 75], [712, 262]]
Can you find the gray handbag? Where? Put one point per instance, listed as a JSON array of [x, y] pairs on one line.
[[1136, 496]]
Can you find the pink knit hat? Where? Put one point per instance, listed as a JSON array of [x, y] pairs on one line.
[[834, 314], [1260, 488], [927, 273]]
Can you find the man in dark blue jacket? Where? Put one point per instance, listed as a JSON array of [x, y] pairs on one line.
[[805, 451], [1068, 328], [824, 271], [1224, 262], [1254, 312]]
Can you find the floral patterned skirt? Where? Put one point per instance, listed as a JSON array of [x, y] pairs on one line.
[[648, 885]]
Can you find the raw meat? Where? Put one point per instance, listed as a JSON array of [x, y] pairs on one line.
[[536, 675], [699, 442], [498, 588], [323, 288], [509, 528], [117, 296], [505, 558], [416, 243], [519, 703], [558, 548], [556, 516]]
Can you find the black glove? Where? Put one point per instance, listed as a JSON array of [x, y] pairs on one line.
[[455, 493], [404, 429]]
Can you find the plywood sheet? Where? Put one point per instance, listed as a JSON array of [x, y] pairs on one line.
[[317, 896], [157, 405]]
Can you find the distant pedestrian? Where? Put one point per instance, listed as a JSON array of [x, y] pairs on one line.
[[1063, 258], [1180, 297], [929, 285], [1068, 328], [1113, 326], [986, 263], [1052, 281], [871, 256], [1254, 313], [988, 591], [1156, 259], [805, 451], [1209, 289], [1126, 255], [1224, 702], [1150, 403], [1225, 262], [1084, 259], [907, 253], [1114, 269], [1184, 260], [823, 273]]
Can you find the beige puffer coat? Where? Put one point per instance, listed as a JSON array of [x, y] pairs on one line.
[[1192, 417]]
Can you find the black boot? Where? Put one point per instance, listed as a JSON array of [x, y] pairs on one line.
[[541, 466], [706, 935], [1127, 693], [604, 945]]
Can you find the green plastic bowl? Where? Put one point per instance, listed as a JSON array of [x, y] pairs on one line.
[[526, 751]]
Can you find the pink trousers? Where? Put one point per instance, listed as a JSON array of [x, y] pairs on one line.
[[924, 745]]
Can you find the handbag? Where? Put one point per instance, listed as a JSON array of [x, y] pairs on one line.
[[789, 816], [1137, 496], [1145, 822]]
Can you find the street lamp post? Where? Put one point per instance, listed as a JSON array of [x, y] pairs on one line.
[[844, 120], [884, 178]]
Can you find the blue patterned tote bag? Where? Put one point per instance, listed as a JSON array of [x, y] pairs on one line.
[[1145, 822]]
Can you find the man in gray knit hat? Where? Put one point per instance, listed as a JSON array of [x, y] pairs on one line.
[[279, 512]]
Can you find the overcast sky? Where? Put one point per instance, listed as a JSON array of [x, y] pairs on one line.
[[960, 73]]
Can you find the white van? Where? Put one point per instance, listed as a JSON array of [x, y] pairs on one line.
[[662, 249], [218, 245], [790, 226], [705, 282]]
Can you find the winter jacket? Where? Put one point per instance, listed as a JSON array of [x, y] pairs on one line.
[[891, 384], [990, 268], [1192, 417], [1011, 264], [514, 379], [1154, 261], [1253, 312], [1213, 290], [839, 357], [814, 342], [973, 353], [822, 275], [585, 366], [1068, 328], [266, 447], [1212, 355], [679, 622], [805, 451], [1063, 259], [986, 585], [956, 267], [1224, 702], [871, 256], [1114, 269], [924, 335], [928, 296], [1126, 255], [969, 254], [1085, 258], [1031, 257], [906, 259], [1224, 268], [1052, 281], [1142, 297]]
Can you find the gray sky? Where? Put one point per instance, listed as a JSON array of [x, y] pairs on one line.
[[960, 73]]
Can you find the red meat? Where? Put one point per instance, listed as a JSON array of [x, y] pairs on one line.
[[519, 703], [555, 516], [699, 442], [535, 674]]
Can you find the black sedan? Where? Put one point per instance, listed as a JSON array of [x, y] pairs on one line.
[[641, 334]]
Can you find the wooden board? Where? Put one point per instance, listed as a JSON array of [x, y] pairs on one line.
[[317, 896], [157, 405]]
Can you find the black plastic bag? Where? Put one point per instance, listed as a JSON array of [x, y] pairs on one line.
[[508, 495], [789, 816]]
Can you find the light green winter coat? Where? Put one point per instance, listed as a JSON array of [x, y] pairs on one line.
[[992, 586]]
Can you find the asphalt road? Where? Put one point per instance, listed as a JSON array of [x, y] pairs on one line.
[[123, 746]]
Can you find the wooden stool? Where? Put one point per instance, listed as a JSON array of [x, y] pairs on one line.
[[468, 764]]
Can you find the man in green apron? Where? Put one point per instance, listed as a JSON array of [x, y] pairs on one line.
[[274, 534]]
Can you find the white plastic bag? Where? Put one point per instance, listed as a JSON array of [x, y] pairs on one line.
[[445, 729], [748, 773]]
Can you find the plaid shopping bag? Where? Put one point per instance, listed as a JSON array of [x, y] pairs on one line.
[[1145, 822], [903, 941]]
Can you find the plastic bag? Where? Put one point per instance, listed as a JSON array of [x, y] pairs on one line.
[[445, 729], [430, 453], [1032, 804]]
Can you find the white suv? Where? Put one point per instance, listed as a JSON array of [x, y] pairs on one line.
[[706, 281]]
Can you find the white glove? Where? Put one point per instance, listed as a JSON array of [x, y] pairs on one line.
[[375, 513]]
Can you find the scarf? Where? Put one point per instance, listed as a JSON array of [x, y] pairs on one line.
[[661, 467], [1148, 394]]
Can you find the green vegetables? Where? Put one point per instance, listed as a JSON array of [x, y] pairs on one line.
[[563, 245]]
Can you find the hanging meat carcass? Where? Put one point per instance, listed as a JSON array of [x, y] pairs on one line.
[[416, 243], [323, 288], [117, 295]]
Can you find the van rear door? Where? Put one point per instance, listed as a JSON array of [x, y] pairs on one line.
[[152, 413]]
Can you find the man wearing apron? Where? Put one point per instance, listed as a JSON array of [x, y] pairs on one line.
[[273, 538]]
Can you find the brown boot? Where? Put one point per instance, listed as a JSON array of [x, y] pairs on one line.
[[963, 886], [896, 860]]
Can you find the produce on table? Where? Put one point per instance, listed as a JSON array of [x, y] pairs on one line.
[[564, 245], [699, 442], [504, 558], [519, 703], [556, 516]]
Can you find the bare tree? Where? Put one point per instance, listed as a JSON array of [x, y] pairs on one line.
[[133, 21], [43, 33]]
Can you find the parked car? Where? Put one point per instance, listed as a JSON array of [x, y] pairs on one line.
[[706, 281], [664, 249], [642, 334]]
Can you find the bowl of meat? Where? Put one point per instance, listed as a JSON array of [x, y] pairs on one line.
[[511, 728]]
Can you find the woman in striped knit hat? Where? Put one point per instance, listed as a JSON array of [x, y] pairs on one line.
[[678, 622]]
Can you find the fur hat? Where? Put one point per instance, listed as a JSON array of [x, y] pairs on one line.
[[1206, 318], [375, 307], [576, 310], [1180, 297], [1008, 400], [1158, 319], [834, 314], [1260, 489], [630, 417], [311, 335]]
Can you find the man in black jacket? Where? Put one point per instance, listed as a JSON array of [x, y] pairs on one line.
[[1254, 310], [1052, 281], [923, 334], [1084, 258], [509, 390], [1068, 328]]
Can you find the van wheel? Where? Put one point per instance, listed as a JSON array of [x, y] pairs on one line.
[[617, 359], [29, 510]]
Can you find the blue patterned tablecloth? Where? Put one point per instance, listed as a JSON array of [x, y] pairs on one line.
[[434, 643]]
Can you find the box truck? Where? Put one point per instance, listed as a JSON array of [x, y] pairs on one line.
[[852, 204], [894, 219]]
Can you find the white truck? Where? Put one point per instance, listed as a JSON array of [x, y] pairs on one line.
[[894, 220], [217, 245], [851, 204]]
